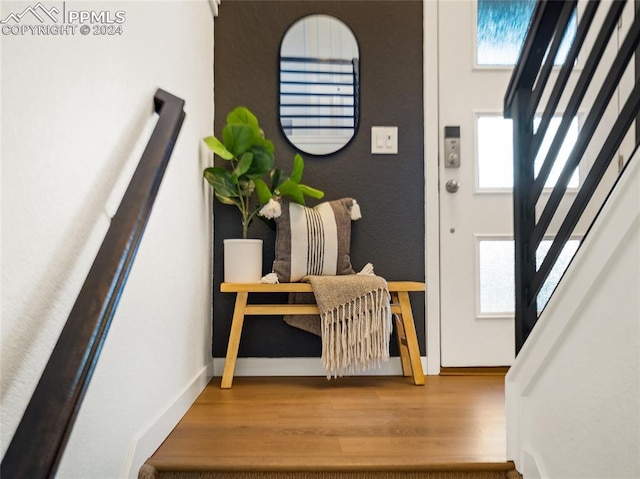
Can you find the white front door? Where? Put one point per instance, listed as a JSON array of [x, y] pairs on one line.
[[466, 215], [476, 224]]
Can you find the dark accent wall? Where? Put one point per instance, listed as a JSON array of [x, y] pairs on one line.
[[389, 188]]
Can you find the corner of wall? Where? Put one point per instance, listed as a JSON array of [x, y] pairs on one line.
[[144, 444]]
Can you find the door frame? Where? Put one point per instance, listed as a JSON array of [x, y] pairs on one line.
[[432, 183], [433, 139]]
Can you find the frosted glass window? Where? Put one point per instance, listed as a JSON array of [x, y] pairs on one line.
[[495, 151], [558, 269], [496, 267], [502, 27], [496, 276]]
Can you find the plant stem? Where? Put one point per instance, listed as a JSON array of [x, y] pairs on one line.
[[246, 217]]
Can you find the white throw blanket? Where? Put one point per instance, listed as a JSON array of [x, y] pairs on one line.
[[355, 317]]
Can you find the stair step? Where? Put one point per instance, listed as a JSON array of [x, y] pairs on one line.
[[149, 472], [358, 427]]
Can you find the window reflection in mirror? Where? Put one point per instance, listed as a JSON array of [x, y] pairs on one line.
[[319, 85]]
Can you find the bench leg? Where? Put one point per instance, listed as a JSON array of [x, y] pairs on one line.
[[234, 340], [402, 339], [411, 338]]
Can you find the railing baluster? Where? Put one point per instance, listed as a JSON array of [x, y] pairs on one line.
[[600, 45], [558, 36], [605, 94], [533, 50], [544, 30], [559, 86], [337, 104], [597, 171], [523, 220]]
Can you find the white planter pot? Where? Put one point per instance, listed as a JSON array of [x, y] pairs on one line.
[[242, 260]]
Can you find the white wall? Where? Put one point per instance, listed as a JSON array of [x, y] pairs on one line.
[[573, 393], [74, 110]]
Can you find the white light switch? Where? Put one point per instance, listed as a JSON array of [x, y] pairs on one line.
[[384, 140]]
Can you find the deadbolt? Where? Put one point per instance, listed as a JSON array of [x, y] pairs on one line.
[[452, 147], [452, 186]]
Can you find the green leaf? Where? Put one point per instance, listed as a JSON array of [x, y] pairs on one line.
[[242, 116], [217, 175], [221, 181], [266, 144], [227, 201], [312, 192], [263, 191], [298, 167], [277, 178], [262, 162], [291, 190], [238, 139], [244, 164], [218, 148]]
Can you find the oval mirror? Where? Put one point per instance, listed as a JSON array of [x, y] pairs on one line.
[[319, 85]]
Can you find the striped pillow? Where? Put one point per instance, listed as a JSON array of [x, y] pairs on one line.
[[314, 241]]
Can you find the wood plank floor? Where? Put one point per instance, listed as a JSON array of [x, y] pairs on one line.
[[348, 424]]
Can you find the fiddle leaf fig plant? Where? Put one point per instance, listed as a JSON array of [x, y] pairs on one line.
[[249, 180]]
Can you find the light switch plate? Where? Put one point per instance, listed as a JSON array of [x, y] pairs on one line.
[[384, 140]]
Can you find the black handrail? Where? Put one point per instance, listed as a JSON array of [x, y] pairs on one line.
[[522, 99], [39, 441]]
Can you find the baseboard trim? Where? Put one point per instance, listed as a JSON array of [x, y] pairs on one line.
[[474, 371], [300, 367], [531, 466], [146, 443]]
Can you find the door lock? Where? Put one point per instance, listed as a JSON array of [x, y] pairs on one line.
[[452, 147], [452, 186]]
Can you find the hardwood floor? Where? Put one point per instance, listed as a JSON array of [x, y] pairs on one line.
[[349, 424]]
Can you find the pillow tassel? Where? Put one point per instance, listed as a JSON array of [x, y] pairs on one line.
[[271, 278], [367, 270], [355, 211]]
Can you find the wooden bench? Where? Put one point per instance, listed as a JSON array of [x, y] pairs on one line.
[[400, 306]]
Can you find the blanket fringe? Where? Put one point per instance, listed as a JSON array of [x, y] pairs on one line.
[[356, 334]]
